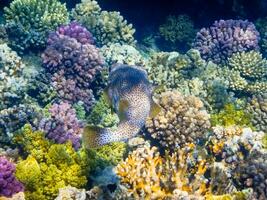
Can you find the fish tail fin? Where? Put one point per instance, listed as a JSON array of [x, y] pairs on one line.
[[94, 137]]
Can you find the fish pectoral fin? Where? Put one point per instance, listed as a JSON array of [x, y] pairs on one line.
[[90, 136], [154, 110], [123, 106]]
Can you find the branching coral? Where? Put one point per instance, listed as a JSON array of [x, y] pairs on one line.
[[252, 173], [123, 54], [102, 115], [72, 30], [73, 67], [230, 116], [28, 22], [48, 166], [147, 175], [257, 107], [181, 121], [107, 27], [248, 72], [226, 37], [9, 185], [63, 125], [178, 30]]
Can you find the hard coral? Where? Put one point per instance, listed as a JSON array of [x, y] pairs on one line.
[[28, 22], [107, 27], [122, 54], [72, 30], [226, 37], [147, 175], [54, 166], [247, 72], [62, 125], [178, 30], [181, 121], [73, 67], [9, 185], [257, 106]]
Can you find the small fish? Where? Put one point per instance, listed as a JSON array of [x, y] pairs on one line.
[[130, 94]]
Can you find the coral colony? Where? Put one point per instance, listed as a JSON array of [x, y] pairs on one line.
[[200, 133]]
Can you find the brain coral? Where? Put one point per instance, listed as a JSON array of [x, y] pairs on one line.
[[182, 120], [63, 125], [28, 22], [106, 27], [226, 37], [9, 185]]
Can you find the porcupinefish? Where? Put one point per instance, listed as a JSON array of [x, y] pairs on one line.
[[130, 94]]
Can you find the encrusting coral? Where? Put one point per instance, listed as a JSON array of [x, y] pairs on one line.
[[106, 27], [62, 125], [226, 37], [9, 185], [28, 22], [48, 166], [182, 120]]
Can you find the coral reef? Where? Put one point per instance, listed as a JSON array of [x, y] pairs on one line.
[[226, 37], [178, 30], [106, 27], [28, 22], [45, 163], [102, 114], [62, 125], [181, 121], [230, 116], [9, 185], [122, 54], [252, 173], [257, 107], [73, 67], [147, 175], [248, 72], [72, 30], [71, 193]]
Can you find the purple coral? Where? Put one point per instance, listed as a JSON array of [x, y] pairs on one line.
[[72, 30], [70, 62], [63, 125], [9, 185], [226, 37]]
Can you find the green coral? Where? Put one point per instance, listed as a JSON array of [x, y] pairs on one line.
[[112, 153], [102, 115], [264, 141], [107, 27], [231, 115], [247, 72], [178, 30], [48, 166], [28, 22]]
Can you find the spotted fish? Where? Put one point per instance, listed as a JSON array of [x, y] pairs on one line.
[[130, 94]]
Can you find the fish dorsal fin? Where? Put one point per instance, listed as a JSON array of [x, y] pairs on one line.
[[123, 106], [106, 96], [154, 109]]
